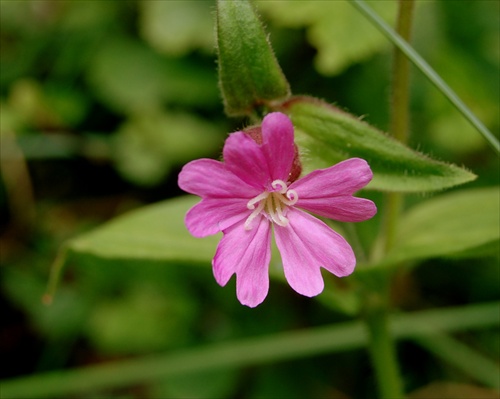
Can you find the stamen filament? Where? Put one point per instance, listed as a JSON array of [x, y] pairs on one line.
[[253, 201], [279, 183], [254, 214], [273, 203]]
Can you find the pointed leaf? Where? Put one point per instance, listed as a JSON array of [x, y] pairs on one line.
[[455, 224], [249, 74], [328, 135], [155, 232]]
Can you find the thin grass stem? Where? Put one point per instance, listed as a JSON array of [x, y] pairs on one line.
[[428, 72]]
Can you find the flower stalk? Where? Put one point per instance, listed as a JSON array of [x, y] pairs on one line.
[[399, 113], [382, 347]]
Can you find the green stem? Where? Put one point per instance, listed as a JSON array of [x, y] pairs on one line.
[[427, 71], [400, 91], [382, 348], [55, 275], [399, 121]]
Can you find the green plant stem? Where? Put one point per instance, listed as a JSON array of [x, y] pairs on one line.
[[459, 355], [400, 90], [382, 347], [427, 71], [55, 275], [399, 115], [382, 350], [244, 352]]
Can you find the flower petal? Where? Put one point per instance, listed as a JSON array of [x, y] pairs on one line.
[[246, 253], [341, 179], [343, 209], [278, 144], [211, 178], [213, 215], [307, 244], [328, 192], [245, 158]]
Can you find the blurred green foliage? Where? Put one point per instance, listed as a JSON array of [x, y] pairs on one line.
[[107, 99]]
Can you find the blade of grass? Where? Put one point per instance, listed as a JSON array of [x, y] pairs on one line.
[[251, 351], [428, 71], [459, 355]]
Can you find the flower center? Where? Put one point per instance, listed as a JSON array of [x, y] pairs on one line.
[[273, 203]]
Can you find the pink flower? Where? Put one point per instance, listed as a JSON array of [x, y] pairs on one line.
[[250, 192]]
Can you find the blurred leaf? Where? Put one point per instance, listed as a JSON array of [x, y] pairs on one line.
[[144, 319], [176, 27], [156, 232], [29, 103], [328, 135], [70, 105], [132, 78], [449, 225], [148, 145], [249, 73], [340, 34], [446, 131], [32, 106], [65, 319], [10, 119], [126, 75]]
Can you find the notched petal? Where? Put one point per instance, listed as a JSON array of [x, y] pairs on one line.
[[307, 244], [246, 253], [344, 178]]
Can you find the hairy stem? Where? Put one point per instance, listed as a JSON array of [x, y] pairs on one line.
[[401, 75], [399, 117], [382, 347]]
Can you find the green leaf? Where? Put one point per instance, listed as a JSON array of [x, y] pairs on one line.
[[454, 224], [329, 26], [249, 73], [149, 81], [164, 317], [148, 144], [156, 233], [328, 135], [177, 27]]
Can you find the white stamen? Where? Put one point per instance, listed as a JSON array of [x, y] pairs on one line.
[[281, 184], [274, 204], [253, 201], [292, 196], [254, 214]]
